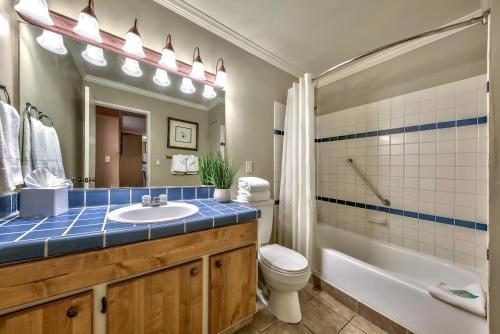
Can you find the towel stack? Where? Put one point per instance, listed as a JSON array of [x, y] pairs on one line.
[[184, 164], [253, 189]]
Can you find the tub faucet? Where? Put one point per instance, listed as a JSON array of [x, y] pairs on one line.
[[154, 201]]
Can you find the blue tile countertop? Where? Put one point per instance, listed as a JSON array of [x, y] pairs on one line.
[[87, 228]]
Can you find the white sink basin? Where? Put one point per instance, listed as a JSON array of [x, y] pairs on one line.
[[137, 214]]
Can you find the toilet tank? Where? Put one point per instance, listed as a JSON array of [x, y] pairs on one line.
[[265, 226]]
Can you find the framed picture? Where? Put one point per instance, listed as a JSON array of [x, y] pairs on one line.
[[182, 134]]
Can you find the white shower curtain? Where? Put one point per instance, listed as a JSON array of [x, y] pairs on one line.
[[297, 206]]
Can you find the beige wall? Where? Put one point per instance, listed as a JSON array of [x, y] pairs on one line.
[[8, 48], [159, 111], [494, 307], [53, 84], [456, 57], [253, 83]]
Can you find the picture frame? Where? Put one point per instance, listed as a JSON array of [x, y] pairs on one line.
[[182, 134]]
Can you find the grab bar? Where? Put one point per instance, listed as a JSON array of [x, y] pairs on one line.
[[385, 201]]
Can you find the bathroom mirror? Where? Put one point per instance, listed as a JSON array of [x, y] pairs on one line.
[[116, 129]]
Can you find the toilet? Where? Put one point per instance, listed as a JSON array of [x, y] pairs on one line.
[[285, 271]]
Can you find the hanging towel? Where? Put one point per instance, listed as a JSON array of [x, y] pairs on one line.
[[192, 165], [45, 148], [246, 196], [253, 184], [179, 164], [10, 161], [27, 164], [471, 298]]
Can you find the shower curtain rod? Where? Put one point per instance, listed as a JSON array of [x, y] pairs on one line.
[[483, 19]]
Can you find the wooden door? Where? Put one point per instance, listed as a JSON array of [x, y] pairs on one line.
[[232, 287], [131, 161], [168, 301], [72, 315]]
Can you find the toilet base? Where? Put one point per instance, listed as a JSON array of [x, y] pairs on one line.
[[285, 306]]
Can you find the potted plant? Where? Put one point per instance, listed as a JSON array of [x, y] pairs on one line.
[[205, 168], [223, 176]]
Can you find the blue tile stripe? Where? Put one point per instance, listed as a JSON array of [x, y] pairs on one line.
[[279, 132], [414, 128], [87, 228], [411, 214]]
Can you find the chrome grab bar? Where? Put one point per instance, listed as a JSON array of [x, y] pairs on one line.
[[384, 201]]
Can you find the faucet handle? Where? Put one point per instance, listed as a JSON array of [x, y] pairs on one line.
[[163, 199], [146, 200]]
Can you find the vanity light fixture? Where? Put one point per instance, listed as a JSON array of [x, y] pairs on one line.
[[87, 25], [197, 71], [132, 68], [168, 55], [37, 10], [220, 74], [52, 41], [187, 86], [94, 55], [209, 92], [133, 42], [161, 78]]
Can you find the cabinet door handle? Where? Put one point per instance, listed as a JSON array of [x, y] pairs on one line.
[[194, 272], [72, 312], [218, 263]]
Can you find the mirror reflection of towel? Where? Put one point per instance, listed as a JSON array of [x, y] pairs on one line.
[[179, 166], [192, 165]]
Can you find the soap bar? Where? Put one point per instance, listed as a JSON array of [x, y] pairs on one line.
[[43, 202]]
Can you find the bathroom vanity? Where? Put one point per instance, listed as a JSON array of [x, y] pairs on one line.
[[202, 281]]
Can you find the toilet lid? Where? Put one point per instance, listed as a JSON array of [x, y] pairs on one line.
[[283, 259]]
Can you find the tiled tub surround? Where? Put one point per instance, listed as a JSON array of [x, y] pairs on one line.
[[427, 152], [87, 228]]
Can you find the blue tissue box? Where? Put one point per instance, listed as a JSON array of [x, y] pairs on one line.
[[43, 202]]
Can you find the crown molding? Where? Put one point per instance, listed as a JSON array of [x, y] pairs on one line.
[[390, 53], [143, 92], [207, 22]]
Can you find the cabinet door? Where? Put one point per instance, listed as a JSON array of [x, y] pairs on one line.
[[72, 315], [168, 301], [232, 287]]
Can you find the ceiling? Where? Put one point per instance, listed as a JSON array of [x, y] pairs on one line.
[[316, 35]]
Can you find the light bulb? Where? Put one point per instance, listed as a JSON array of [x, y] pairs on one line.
[[37, 10], [132, 68], [187, 86], [52, 41], [197, 69], [94, 55], [161, 78], [168, 55], [87, 25], [133, 42], [209, 92]]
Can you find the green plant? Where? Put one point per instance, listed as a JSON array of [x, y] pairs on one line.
[[224, 172], [206, 165]]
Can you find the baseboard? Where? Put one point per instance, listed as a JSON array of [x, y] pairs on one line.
[[365, 311]]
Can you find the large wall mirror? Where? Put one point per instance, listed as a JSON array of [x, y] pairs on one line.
[[116, 129]]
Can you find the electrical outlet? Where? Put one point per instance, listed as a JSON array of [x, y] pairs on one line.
[[158, 162], [249, 166], [107, 158]]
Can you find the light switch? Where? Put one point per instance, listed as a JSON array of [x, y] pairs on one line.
[[158, 162], [249, 166], [107, 158]]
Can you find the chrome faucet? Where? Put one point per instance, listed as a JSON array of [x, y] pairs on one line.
[[154, 201]]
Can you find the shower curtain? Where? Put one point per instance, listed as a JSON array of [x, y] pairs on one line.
[[297, 206]]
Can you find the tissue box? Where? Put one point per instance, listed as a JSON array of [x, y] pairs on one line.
[[43, 202]]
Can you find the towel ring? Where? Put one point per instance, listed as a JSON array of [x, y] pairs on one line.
[[39, 115], [6, 93]]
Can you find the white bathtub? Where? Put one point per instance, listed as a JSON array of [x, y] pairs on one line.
[[393, 281]]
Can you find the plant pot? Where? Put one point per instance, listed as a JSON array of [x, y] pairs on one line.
[[222, 195]]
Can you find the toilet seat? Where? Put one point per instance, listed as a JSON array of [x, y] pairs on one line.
[[283, 260]]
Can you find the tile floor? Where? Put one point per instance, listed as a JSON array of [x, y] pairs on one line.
[[321, 314]]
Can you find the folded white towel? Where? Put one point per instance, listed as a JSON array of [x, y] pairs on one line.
[[27, 164], [45, 148], [192, 165], [10, 160], [179, 164], [247, 196], [471, 298], [253, 184]]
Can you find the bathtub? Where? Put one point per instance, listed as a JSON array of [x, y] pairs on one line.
[[393, 281]]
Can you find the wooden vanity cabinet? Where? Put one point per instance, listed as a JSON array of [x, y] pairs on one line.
[[233, 289], [71, 315], [167, 301]]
